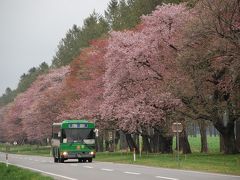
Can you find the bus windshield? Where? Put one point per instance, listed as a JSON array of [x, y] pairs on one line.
[[86, 136]]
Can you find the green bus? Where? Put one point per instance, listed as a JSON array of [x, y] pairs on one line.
[[73, 139]]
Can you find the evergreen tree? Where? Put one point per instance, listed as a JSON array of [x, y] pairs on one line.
[[126, 14], [76, 38], [112, 14], [8, 96], [67, 48], [43, 68]]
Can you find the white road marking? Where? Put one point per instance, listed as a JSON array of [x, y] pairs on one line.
[[134, 173], [206, 173], [161, 177], [103, 169], [45, 172], [89, 167]]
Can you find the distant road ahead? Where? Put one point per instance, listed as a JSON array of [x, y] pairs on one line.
[[71, 170]]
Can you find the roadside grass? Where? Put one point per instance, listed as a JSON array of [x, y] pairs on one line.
[[214, 161], [15, 173], [27, 149], [213, 143]]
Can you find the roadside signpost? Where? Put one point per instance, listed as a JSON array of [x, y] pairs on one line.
[[177, 128], [134, 154], [7, 150]]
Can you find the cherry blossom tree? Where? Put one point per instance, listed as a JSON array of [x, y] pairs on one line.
[[141, 69], [47, 104], [211, 57], [4, 125], [85, 84], [13, 122], [32, 113]]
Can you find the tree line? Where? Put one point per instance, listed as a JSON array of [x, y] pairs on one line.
[[119, 15], [24, 83]]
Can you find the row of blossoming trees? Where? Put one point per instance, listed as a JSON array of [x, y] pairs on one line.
[[178, 64]]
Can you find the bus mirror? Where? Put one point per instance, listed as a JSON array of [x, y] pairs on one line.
[[59, 134], [96, 132]]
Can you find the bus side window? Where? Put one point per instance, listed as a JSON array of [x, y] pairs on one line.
[[63, 138]]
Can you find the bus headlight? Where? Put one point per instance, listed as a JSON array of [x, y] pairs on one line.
[[92, 153], [65, 153]]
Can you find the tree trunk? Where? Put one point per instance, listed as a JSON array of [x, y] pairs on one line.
[[203, 133], [210, 128], [238, 134], [221, 144], [107, 146], [215, 132], [99, 143], [116, 137], [123, 141], [136, 139], [131, 143], [155, 142], [146, 144], [165, 144], [184, 144], [228, 136]]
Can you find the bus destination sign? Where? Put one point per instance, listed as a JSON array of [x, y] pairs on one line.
[[77, 125]]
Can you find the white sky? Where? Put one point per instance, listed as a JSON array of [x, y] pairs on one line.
[[30, 31]]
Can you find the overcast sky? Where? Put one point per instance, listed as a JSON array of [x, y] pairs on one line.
[[30, 31]]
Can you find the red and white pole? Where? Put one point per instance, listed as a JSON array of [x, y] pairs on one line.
[[7, 159]]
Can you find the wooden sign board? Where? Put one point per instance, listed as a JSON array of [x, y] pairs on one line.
[[177, 127]]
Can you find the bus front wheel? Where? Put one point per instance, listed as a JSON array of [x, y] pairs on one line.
[[90, 160], [61, 160]]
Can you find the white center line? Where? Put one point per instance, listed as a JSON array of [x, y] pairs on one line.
[[88, 167], [162, 177], [135, 173], [103, 169]]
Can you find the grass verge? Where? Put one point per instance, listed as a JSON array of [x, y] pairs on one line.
[[214, 162], [27, 149], [15, 173]]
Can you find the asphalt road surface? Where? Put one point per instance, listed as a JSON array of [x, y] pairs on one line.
[[72, 170]]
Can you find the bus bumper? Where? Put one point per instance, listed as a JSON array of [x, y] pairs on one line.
[[77, 155]]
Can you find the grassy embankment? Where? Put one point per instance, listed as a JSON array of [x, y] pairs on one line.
[[13, 172], [211, 162], [28, 149]]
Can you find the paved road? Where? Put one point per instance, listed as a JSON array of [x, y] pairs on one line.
[[72, 170]]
